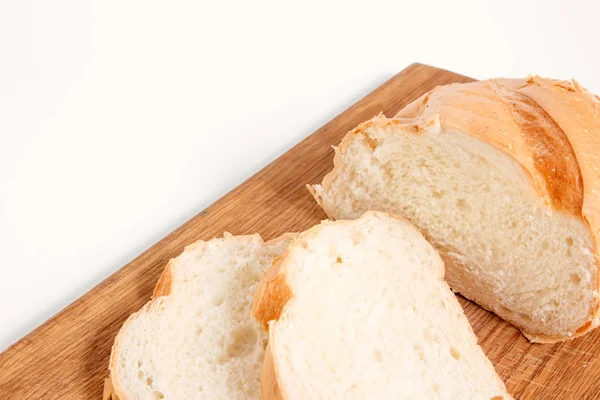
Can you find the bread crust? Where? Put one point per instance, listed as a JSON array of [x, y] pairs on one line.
[[163, 286], [269, 301], [269, 388], [497, 112], [551, 128], [108, 392], [112, 389]]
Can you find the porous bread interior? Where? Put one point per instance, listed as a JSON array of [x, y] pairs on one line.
[[371, 317], [503, 247], [200, 341]]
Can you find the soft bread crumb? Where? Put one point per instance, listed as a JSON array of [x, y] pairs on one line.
[[503, 246], [370, 317], [198, 340]]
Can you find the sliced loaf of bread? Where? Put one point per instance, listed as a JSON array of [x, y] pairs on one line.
[[197, 339], [359, 310], [503, 178]]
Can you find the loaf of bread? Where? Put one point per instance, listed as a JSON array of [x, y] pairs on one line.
[[503, 177], [197, 339], [359, 310]]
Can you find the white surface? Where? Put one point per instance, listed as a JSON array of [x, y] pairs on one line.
[[119, 120]]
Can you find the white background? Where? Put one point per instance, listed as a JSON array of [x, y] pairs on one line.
[[120, 120]]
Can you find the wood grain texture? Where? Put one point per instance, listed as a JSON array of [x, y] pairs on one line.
[[67, 357]]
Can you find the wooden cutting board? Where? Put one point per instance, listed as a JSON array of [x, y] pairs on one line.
[[67, 357]]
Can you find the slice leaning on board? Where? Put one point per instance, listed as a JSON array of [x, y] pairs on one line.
[[502, 176], [196, 338], [359, 310]]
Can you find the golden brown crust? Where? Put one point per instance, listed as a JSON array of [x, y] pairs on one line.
[[108, 392], [551, 151], [272, 294], [498, 112], [163, 286], [269, 388]]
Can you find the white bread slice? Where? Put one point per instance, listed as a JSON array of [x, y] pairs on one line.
[[359, 310], [503, 177], [197, 339]]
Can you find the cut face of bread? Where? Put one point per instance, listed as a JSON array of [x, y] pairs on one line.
[[359, 309], [197, 339], [494, 183]]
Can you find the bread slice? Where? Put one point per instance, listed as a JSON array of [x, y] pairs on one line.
[[359, 310], [503, 177], [196, 339]]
